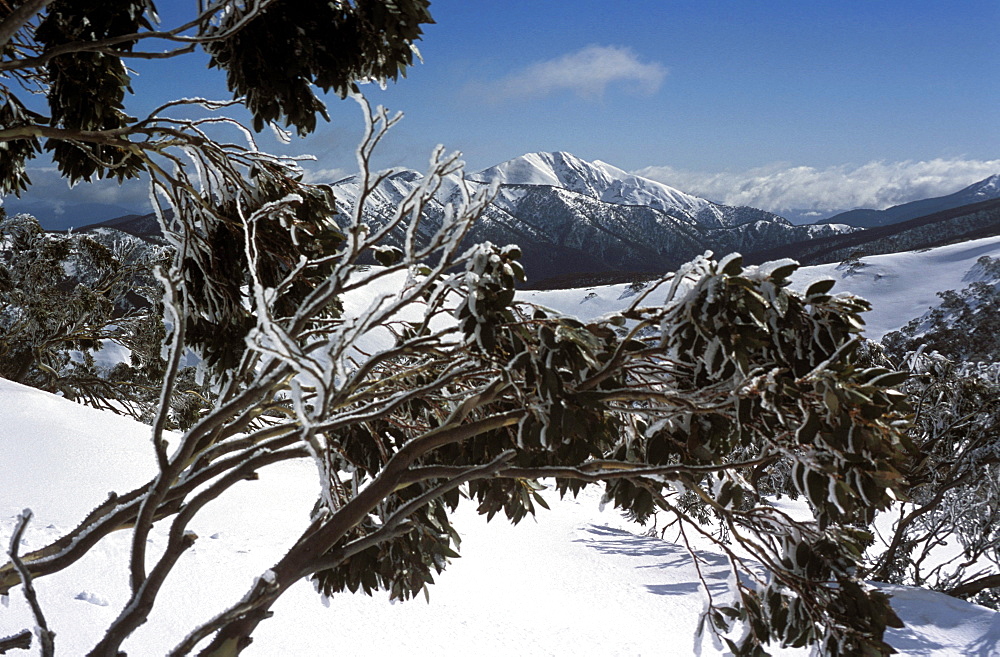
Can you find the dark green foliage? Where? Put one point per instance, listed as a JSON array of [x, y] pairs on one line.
[[15, 153], [322, 44], [87, 89], [326, 44], [785, 390], [289, 221], [403, 566]]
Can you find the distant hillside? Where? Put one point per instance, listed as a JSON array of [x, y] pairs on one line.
[[983, 190], [954, 225], [580, 222]]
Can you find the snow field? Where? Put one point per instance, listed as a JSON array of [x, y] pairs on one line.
[[575, 581]]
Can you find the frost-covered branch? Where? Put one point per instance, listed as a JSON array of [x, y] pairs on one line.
[[46, 637]]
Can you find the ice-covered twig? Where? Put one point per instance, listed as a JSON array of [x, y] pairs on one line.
[[46, 637]]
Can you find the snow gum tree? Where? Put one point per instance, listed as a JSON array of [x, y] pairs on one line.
[[62, 297], [445, 389], [955, 484]]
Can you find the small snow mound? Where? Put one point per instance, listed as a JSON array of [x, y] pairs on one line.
[[633, 289], [93, 599]]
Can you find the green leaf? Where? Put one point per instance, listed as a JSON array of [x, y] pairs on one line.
[[821, 287], [807, 432], [731, 265], [511, 251], [784, 271], [890, 380]]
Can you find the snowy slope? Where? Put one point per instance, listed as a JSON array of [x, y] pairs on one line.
[[576, 582], [903, 286]]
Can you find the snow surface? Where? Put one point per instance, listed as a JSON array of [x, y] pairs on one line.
[[576, 581], [903, 286]]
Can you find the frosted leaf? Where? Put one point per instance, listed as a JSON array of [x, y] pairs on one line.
[[724, 262], [768, 268]]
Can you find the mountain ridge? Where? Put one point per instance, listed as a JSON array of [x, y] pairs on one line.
[[983, 190], [574, 217], [964, 223]]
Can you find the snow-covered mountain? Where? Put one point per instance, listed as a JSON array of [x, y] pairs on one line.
[[570, 216], [984, 190], [596, 179]]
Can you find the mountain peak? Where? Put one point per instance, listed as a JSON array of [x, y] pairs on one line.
[[555, 169], [595, 179], [987, 188]]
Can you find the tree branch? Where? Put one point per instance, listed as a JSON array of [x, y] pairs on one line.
[[975, 586], [19, 18], [180, 540], [19, 641], [396, 525]]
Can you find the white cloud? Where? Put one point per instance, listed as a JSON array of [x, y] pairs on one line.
[[586, 73], [875, 185]]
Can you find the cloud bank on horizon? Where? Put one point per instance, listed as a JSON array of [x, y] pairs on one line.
[[875, 185], [586, 73]]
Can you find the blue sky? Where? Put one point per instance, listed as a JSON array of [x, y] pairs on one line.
[[824, 104]]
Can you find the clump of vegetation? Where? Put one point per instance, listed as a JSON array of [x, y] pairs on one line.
[[953, 355]]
